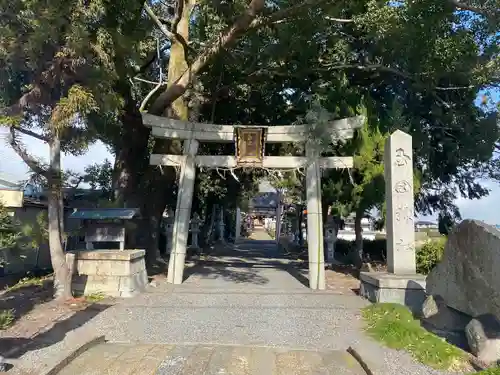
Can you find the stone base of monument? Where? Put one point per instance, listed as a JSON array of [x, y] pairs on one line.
[[115, 273], [408, 290]]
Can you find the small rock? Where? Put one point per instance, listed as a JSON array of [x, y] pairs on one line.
[[431, 306], [483, 336], [438, 314], [3, 365], [153, 284]]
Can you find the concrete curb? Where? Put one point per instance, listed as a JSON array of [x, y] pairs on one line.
[[73, 355]]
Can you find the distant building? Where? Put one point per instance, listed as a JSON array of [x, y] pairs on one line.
[[347, 233], [264, 204], [366, 224], [423, 225]]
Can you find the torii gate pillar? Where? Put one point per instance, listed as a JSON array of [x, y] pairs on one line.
[[175, 273]]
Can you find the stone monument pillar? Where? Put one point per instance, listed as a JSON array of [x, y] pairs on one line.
[[195, 231], [221, 224], [279, 212], [237, 230], [400, 226], [400, 284], [330, 239]]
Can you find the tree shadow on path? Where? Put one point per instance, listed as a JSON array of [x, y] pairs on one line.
[[15, 347], [243, 272]]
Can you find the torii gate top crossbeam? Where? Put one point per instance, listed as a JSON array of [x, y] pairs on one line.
[[163, 127]]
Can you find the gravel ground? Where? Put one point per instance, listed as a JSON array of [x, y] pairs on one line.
[[267, 307]]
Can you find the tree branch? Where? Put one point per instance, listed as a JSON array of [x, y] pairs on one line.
[[177, 89], [247, 21], [30, 133], [473, 9], [28, 100], [150, 60], [178, 15], [341, 20], [30, 161], [172, 34], [283, 14]]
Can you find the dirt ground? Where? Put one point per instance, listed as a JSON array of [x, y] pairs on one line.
[[36, 314], [342, 280]]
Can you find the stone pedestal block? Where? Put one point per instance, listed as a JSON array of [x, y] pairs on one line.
[[115, 273], [408, 290]]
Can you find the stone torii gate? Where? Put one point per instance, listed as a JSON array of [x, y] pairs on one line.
[[250, 141]]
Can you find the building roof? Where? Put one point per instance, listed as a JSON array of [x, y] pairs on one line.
[[9, 185], [104, 213], [265, 200]]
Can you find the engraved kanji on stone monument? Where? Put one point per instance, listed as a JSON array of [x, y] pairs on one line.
[[400, 203]]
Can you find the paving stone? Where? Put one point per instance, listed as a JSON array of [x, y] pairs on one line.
[[131, 359], [198, 361], [151, 361], [129, 362], [95, 361], [299, 363], [239, 362], [174, 363], [220, 360], [338, 362], [263, 361]]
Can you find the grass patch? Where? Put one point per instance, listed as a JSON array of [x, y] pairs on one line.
[[490, 371], [395, 326], [6, 318], [95, 297]]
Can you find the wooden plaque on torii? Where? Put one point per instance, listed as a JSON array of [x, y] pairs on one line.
[[249, 146]]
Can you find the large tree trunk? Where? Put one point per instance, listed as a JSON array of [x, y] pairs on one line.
[[160, 194], [132, 154], [163, 179], [62, 276]]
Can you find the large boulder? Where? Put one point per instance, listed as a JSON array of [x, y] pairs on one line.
[[468, 276]]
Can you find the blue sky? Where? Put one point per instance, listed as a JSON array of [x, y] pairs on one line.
[[13, 168]]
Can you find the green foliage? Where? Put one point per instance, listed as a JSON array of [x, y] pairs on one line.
[[61, 61], [415, 66], [429, 255], [7, 317], [446, 222], [100, 177], [10, 231], [75, 63], [395, 326], [363, 188], [38, 232]]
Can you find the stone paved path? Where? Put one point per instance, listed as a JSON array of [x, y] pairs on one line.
[[127, 359], [249, 300]]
